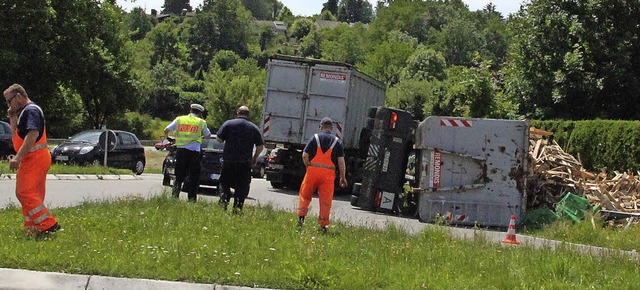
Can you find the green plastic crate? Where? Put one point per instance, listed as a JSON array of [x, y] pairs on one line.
[[574, 207]]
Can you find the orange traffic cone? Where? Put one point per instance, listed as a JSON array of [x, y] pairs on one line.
[[511, 232]]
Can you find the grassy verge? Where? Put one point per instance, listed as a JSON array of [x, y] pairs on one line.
[[72, 169], [154, 165], [591, 232], [162, 238]]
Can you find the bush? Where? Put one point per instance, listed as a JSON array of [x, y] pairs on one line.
[[145, 127], [601, 145]]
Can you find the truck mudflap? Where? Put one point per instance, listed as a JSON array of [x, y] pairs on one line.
[[472, 170]]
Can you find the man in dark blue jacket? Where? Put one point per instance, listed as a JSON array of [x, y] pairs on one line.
[[240, 136]]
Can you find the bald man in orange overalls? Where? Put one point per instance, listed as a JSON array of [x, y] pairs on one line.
[[32, 161], [320, 156]]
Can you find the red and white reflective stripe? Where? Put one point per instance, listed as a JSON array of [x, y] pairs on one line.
[[458, 217], [265, 126], [455, 123], [339, 133]]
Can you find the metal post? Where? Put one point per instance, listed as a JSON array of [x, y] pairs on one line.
[[106, 143]]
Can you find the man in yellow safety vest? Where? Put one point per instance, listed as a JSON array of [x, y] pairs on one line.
[[189, 130]]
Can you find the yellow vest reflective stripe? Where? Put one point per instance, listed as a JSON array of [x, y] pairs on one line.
[[189, 129]]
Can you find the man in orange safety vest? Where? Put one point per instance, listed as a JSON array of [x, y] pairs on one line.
[[323, 151], [32, 161]]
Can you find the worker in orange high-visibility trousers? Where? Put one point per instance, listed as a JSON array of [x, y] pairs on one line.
[[32, 161], [321, 154]]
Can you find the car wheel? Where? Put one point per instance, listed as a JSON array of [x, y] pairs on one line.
[[277, 185], [138, 168], [94, 162]]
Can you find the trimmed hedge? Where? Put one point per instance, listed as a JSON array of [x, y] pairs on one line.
[[601, 145]]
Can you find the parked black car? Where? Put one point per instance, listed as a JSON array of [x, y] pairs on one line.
[[83, 149], [258, 170], [6, 145], [211, 163]]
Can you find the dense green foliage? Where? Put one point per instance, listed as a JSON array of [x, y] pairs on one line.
[[576, 59], [601, 145], [160, 239], [90, 63]]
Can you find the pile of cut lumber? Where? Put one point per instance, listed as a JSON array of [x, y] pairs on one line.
[[556, 173]]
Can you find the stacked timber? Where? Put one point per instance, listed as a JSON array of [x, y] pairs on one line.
[[556, 173]]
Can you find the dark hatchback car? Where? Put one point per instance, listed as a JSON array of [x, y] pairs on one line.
[[258, 170], [6, 145], [83, 149], [211, 163]]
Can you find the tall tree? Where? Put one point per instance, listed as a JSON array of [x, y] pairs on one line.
[[65, 52], [241, 84], [301, 28], [331, 6], [353, 11], [387, 61], [140, 23], [222, 25], [425, 64], [176, 7], [344, 44], [577, 60], [260, 9]]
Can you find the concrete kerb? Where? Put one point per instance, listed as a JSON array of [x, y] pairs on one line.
[[16, 279], [79, 177], [414, 226]]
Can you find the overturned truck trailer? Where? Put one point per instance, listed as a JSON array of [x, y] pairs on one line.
[[468, 171], [473, 171]]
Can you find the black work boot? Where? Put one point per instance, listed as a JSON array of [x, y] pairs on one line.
[[175, 191], [223, 203], [300, 222], [324, 229], [237, 208], [47, 234]]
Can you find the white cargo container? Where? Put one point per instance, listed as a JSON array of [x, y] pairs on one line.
[[473, 171], [301, 91]]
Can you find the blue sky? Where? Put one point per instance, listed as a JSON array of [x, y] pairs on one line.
[[311, 7]]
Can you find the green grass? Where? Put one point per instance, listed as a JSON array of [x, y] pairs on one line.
[[72, 169], [162, 238], [154, 165], [592, 231]]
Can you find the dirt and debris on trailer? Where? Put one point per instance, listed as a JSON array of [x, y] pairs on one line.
[[557, 173]]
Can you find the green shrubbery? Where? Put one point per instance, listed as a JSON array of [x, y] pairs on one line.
[[601, 145], [144, 126]]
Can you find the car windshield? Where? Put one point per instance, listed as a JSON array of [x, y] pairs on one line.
[[212, 145], [86, 136]]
